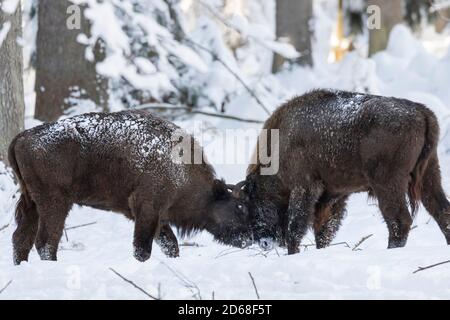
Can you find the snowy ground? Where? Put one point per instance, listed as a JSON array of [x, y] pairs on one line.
[[410, 69], [336, 272]]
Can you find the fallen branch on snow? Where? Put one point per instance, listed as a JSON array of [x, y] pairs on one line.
[[80, 226], [305, 246], [227, 252], [190, 244], [6, 286], [254, 286], [191, 285], [431, 266], [4, 227], [340, 243], [133, 284], [360, 242]]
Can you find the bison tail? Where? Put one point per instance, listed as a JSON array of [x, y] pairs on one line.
[[25, 202], [430, 145]]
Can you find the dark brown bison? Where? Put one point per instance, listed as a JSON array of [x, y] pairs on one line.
[[123, 162], [335, 143]]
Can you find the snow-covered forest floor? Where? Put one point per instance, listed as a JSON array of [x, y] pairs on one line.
[[409, 68]]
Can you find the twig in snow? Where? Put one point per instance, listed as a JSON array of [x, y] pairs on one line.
[[227, 252], [81, 225], [65, 234], [166, 106], [431, 266], [133, 284], [4, 227], [212, 296], [276, 251], [312, 244], [305, 246], [254, 285], [260, 252], [361, 241], [6, 286], [192, 286], [159, 291], [340, 243], [190, 244]]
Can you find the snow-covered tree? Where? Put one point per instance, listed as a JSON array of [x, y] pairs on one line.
[[64, 77], [190, 53]]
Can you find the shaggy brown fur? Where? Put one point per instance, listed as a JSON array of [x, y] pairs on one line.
[[335, 143], [120, 162]]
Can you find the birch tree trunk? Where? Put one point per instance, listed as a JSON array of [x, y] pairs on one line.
[[62, 70], [11, 83], [293, 23]]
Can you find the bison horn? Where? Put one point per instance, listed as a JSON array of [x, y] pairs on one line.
[[240, 185], [236, 188]]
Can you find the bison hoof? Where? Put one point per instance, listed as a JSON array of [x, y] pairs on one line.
[[18, 258], [293, 249], [398, 243], [47, 252], [141, 255], [171, 252]]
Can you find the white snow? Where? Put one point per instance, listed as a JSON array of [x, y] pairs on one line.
[[9, 6], [4, 31]]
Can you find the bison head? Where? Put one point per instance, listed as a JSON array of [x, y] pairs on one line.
[[264, 214], [230, 218]]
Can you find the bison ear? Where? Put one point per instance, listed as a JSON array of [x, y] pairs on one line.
[[220, 190]]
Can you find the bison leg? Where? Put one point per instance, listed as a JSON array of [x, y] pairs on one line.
[[327, 220], [300, 212], [434, 199], [168, 242], [27, 224], [52, 216], [394, 208], [145, 227]]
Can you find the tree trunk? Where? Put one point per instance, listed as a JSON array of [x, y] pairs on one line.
[[12, 104], [442, 19], [292, 22], [62, 71], [391, 14]]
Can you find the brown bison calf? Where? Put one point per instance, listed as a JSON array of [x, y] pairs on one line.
[[334, 143], [122, 162]]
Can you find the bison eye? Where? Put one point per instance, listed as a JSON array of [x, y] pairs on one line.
[[240, 207]]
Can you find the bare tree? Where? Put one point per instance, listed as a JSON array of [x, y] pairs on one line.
[[391, 14], [293, 22], [11, 83], [62, 69]]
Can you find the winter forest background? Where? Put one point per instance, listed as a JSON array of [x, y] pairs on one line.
[[225, 64]]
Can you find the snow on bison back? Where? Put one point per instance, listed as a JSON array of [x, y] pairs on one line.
[[334, 143], [123, 162]]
